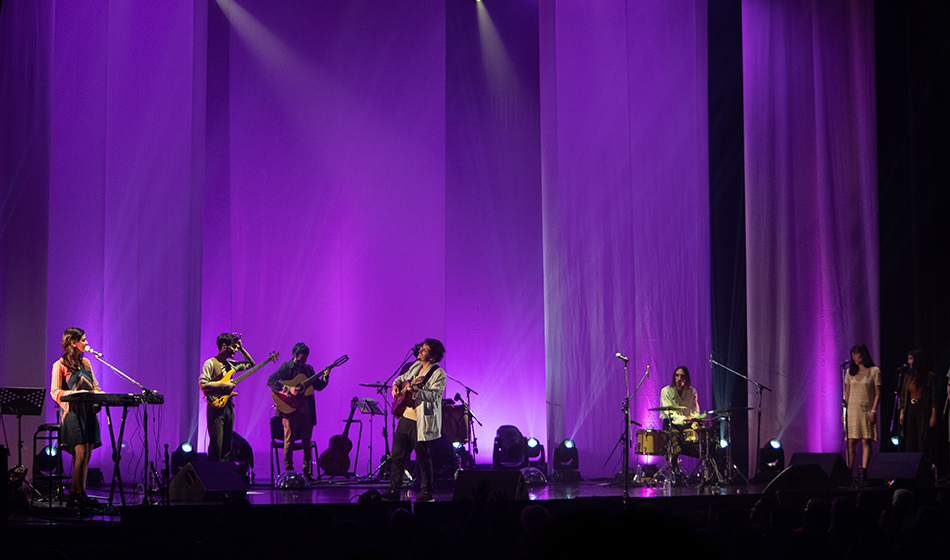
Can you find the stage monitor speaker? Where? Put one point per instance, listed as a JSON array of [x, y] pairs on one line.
[[832, 463], [509, 484], [888, 466], [207, 482], [801, 478]]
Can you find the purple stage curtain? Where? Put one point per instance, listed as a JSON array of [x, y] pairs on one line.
[[493, 247], [335, 231], [626, 212], [811, 210]]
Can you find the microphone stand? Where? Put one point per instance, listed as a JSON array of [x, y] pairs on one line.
[[384, 471], [844, 405], [895, 412], [145, 391], [758, 430], [625, 432]]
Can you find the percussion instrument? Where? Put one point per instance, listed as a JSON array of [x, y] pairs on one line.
[[651, 442]]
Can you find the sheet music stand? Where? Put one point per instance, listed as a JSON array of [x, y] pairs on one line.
[[371, 407], [22, 401]]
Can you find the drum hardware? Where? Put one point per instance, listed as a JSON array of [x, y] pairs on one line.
[[666, 408]]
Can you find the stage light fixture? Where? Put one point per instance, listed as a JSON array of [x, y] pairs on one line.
[[45, 459], [723, 443], [771, 460], [182, 456], [511, 449], [895, 441], [566, 461], [536, 456], [534, 447]]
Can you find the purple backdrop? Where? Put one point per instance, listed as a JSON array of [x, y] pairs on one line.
[[811, 210], [626, 213], [526, 181]]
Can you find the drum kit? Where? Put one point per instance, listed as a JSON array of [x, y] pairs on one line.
[[698, 438]]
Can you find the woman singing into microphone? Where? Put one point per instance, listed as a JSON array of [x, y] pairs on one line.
[[79, 434]]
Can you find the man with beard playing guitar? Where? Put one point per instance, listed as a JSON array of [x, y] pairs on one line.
[[298, 422], [418, 393]]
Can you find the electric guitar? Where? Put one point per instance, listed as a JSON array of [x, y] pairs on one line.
[[220, 401], [336, 459], [286, 401]]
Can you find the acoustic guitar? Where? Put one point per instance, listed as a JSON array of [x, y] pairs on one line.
[[336, 459], [403, 398], [287, 401], [220, 401]]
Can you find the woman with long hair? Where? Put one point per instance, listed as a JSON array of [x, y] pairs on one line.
[[918, 404], [79, 434], [862, 393]]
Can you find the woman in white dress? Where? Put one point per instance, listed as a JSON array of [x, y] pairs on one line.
[[862, 394]]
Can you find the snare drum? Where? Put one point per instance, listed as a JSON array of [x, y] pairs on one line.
[[651, 442]]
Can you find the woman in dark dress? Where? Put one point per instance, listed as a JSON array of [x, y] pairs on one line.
[[918, 404], [79, 434]]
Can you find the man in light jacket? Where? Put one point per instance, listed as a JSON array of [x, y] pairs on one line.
[[418, 393]]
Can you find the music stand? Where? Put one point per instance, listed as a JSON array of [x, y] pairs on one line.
[[371, 407], [22, 401]]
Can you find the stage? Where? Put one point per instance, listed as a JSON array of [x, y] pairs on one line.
[[332, 510]]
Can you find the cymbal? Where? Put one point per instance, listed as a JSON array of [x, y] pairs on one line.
[[728, 411], [374, 385], [666, 408]]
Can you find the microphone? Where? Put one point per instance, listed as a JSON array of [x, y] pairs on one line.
[[845, 364], [457, 397], [89, 349], [622, 357], [903, 367]]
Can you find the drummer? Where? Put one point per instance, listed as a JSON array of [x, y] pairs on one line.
[[680, 394]]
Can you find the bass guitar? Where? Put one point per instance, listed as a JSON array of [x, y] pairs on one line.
[[336, 459], [220, 401], [300, 387]]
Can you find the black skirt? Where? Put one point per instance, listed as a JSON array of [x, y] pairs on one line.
[[80, 426]]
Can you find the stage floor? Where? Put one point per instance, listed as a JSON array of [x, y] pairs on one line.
[[198, 529], [343, 491]]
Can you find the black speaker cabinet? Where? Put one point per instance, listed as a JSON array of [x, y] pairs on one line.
[[510, 484], [888, 466], [832, 463], [207, 482], [801, 478]]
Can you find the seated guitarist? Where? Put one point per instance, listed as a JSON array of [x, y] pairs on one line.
[[300, 422], [221, 420], [420, 419]]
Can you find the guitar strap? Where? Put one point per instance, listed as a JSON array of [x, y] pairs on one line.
[[429, 373]]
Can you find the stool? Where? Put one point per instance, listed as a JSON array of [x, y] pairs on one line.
[[48, 467]]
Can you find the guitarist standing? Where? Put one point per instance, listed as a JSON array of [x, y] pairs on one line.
[[420, 421], [221, 420], [299, 422]]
